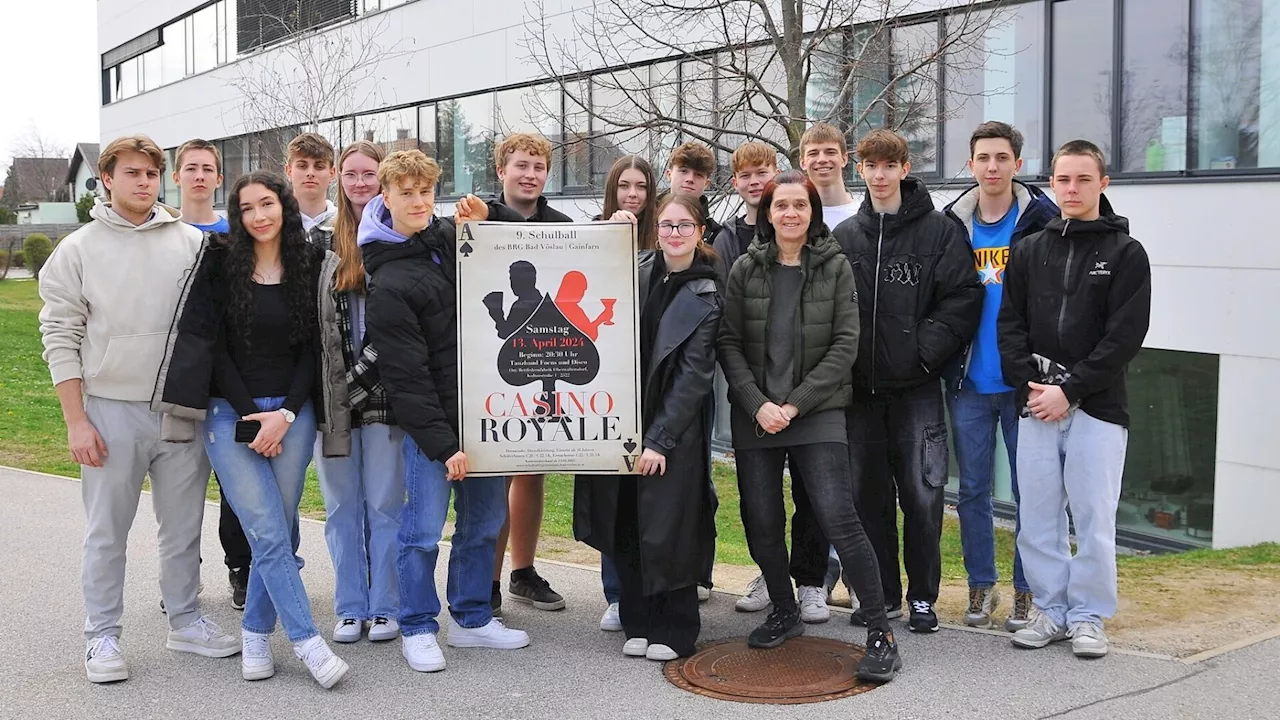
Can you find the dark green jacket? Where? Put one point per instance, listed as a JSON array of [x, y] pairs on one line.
[[826, 327]]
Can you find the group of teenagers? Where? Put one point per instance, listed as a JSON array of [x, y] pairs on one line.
[[299, 329]]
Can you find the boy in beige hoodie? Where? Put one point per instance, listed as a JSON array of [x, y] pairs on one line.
[[110, 290]]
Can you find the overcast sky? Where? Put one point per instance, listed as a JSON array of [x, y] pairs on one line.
[[49, 51]]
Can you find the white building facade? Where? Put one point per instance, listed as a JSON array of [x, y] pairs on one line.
[[1182, 95]]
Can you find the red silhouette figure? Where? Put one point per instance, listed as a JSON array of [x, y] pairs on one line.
[[569, 299]]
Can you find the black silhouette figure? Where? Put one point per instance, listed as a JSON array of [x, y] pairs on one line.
[[541, 344]]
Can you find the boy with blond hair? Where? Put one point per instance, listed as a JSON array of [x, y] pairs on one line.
[[410, 257]]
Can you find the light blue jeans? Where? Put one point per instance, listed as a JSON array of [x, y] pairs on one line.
[[265, 494], [363, 498], [1077, 461], [480, 508]]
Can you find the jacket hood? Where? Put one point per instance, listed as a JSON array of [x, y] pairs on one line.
[[821, 249], [161, 215], [1108, 222], [324, 219], [916, 203], [375, 224], [964, 207]]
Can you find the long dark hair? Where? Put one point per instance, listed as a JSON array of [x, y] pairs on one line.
[[704, 249], [296, 256], [647, 220], [817, 228]]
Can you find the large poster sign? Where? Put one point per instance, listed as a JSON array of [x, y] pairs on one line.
[[548, 351]]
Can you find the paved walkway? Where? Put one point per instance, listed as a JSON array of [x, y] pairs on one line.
[[571, 671]]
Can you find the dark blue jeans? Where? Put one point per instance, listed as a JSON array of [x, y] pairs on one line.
[[824, 469], [974, 419], [480, 508]]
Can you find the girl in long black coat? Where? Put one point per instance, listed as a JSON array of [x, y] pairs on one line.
[[659, 527]]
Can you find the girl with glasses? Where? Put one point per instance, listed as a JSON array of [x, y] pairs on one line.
[[658, 529]]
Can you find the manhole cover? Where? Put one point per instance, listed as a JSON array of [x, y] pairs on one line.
[[804, 670]]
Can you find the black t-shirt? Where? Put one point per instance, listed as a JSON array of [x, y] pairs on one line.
[[262, 361]]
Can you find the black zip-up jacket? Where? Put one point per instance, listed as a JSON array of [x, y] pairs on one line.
[[920, 299], [731, 243], [1078, 293]]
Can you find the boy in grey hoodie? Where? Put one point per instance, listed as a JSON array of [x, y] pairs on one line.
[[110, 290]]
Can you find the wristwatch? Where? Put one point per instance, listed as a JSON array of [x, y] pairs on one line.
[[289, 417]]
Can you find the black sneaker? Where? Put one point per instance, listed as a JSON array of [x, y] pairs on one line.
[[495, 598], [781, 625], [239, 579], [859, 617], [923, 618], [881, 661], [528, 586]]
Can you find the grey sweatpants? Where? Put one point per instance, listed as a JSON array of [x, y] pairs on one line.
[[179, 475]]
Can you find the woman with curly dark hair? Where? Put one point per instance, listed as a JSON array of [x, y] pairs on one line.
[[253, 353]]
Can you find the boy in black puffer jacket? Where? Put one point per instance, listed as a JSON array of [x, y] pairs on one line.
[[920, 304]]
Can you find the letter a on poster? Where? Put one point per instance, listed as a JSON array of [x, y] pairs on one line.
[[548, 349]]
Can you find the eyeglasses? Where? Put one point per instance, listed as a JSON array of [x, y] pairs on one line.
[[686, 229], [369, 178]]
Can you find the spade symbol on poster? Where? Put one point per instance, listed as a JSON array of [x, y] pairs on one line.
[[542, 344]]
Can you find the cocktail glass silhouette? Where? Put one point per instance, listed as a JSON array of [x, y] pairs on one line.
[[608, 308]]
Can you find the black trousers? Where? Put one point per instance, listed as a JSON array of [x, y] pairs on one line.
[[824, 470], [898, 454], [666, 618], [810, 549], [235, 546]]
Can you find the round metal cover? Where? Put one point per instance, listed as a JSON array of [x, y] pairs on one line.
[[802, 670]]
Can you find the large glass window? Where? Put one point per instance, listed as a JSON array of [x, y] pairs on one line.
[[1236, 84], [466, 146], [1083, 32], [170, 193], [427, 130], [664, 89], [394, 130], [234, 161], [537, 110], [999, 76], [577, 128], [173, 54], [1153, 86], [204, 39], [617, 97], [915, 94], [128, 83], [1169, 467], [151, 69]]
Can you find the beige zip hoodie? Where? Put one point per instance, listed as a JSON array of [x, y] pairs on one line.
[[110, 290]]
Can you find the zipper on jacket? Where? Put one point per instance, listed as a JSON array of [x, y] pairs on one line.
[[1066, 279], [797, 349], [875, 303]]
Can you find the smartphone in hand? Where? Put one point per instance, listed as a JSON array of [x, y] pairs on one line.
[[247, 430]]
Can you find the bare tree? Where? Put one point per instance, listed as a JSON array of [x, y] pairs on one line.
[[38, 169], [318, 73], [740, 70]]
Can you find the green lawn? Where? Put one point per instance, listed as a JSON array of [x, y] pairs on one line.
[[34, 438]]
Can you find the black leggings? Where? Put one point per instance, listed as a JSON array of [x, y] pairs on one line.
[[824, 470]]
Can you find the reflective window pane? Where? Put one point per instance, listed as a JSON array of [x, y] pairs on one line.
[[170, 193], [1168, 481], [394, 130], [1082, 59], [151, 73], [915, 94], [129, 70], [998, 76], [234, 161], [1236, 86], [204, 28], [1153, 111], [534, 110], [466, 146], [427, 130], [173, 54], [664, 93], [577, 128], [229, 32], [619, 103]]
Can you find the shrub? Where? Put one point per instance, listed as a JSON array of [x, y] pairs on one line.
[[83, 206], [36, 250]]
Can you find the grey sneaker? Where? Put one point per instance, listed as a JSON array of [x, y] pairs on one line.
[[813, 605], [1021, 614], [1042, 631], [982, 602], [1088, 640], [203, 637], [756, 599]]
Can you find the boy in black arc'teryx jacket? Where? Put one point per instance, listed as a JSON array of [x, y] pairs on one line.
[[920, 302], [1077, 295]]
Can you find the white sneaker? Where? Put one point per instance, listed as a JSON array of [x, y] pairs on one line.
[[422, 652], [661, 653], [1040, 632], [203, 637], [636, 647], [756, 599], [384, 629], [325, 667], [1088, 640], [610, 621], [104, 661], [347, 630], [813, 605], [704, 594], [256, 662], [494, 635]]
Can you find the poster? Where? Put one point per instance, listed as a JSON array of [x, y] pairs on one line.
[[548, 349]]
